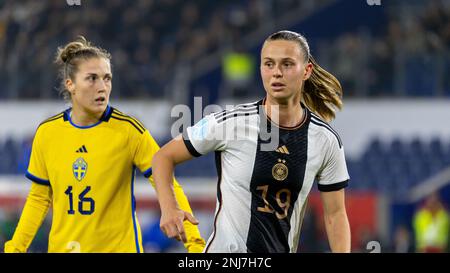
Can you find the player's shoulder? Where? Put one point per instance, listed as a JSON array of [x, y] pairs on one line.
[[50, 127], [52, 121], [123, 119], [324, 128], [240, 111]]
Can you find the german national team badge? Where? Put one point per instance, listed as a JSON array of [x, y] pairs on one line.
[[280, 170], [79, 169]]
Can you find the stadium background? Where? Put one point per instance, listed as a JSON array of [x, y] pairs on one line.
[[392, 59]]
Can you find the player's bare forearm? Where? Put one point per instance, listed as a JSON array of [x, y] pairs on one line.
[[164, 162], [172, 216], [163, 177], [336, 220], [338, 231]]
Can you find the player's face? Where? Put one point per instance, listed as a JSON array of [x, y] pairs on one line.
[[92, 86], [283, 70]]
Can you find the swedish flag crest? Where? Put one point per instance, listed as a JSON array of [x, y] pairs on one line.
[[79, 169]]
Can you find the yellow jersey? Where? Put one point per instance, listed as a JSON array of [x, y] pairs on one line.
[[91, 174]]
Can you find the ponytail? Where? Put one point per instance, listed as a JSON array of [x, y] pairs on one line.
[[322, 92]]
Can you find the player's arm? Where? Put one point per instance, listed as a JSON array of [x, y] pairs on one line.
[[195, 243], [197, 140], [172, 213], [33, 214], [336, 221], [332, 180], [146, 151]]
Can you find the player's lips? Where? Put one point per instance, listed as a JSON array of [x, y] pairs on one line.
[[277, 86], [100, 100]]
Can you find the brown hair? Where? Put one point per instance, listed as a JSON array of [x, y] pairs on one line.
[[68, 58], [322, 92]]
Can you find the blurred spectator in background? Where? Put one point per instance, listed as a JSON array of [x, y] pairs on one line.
[[431, 226], [311, 240], [402, 240], [239, 70]]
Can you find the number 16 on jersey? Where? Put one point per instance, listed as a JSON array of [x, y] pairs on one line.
[[86, 205]]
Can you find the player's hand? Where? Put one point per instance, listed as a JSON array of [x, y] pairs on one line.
[[10, 248], [171, 223]]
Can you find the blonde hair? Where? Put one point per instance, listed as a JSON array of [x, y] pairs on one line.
[[322, 92], [68, 58]]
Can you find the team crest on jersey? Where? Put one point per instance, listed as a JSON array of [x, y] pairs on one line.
[[280, 170], [79, 169]]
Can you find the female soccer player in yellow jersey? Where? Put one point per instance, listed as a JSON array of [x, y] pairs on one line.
[[83, 162]]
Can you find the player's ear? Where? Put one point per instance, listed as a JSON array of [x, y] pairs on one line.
[[70, 86], [308, 70]]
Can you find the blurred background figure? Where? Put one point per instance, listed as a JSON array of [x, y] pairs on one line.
[[431, 226], [312, 239], [403, 241]]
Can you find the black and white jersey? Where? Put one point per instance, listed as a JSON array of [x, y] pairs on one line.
[[261, 193]]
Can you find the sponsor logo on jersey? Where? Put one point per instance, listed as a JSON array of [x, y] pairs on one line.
[[82, 149], [283, 149]]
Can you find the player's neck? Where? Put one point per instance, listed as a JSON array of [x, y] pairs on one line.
[[289, 114], [83, 118]]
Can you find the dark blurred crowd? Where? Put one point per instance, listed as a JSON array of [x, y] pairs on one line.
[[411, 56], [148, 39]]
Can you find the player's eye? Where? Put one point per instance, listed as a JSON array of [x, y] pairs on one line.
[[91, 78], [269, 64]]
